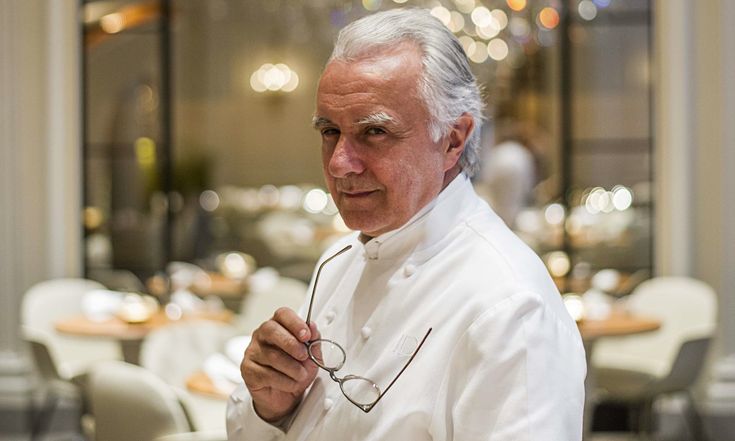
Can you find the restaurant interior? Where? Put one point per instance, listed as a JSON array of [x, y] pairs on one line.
[[162, 195]]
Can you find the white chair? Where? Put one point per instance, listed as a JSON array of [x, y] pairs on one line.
[[262, 301], [176, 351], [45, 303], [54, 388], [132, 403], [636, 369]]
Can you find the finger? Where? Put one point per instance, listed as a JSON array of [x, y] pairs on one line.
[[293, 323], [258, 377], [272, 333], [282, 362]]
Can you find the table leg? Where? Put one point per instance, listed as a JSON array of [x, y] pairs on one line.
[[131, 350]]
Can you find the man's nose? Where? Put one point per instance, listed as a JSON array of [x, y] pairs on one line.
[[345, 159]]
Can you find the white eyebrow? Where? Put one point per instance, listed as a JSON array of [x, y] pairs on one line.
[[320, 121], [376, 118]]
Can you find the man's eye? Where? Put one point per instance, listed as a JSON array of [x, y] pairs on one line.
[[330, 132], [375, 131]]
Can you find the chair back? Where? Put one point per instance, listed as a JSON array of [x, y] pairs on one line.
[[260, 304], [41, 355], [131, 403], [686, 367], [687, 309], [49, 301]]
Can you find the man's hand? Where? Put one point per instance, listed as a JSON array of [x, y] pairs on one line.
[[276, 367]]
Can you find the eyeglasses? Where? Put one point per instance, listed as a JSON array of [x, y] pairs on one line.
[[330, 356]]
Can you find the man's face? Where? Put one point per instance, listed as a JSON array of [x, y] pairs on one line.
[[379, 161]]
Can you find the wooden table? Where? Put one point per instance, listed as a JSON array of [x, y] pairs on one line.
[[200, 383], [130, 335], [618, 323]]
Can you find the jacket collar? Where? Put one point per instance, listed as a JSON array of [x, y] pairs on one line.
[[428, 227]]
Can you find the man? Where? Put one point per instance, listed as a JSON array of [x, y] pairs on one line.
[[437, 322]]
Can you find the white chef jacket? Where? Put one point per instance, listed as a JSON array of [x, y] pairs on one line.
[[504, 360]]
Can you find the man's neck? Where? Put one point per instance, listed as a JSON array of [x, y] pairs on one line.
[[449, 176]]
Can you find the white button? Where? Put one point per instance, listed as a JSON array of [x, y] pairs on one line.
[[329, 316], [328, 403], [408, 270], [366, 332]]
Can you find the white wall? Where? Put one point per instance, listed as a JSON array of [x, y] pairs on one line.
[[39, 157], [695, 164]]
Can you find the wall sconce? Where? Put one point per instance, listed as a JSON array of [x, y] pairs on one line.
[[274, 78]]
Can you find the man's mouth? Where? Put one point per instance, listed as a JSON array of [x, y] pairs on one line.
[[357, 194]]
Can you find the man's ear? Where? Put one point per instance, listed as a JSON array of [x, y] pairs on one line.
[[458, 135]]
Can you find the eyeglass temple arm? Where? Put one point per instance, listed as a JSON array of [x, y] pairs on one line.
[[316, 280], [401, 371]]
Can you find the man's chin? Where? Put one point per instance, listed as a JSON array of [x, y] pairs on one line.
[[360, 222]]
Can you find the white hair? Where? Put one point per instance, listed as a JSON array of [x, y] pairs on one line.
[[446, 84]]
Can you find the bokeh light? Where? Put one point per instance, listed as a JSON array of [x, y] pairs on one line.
[[558, 263], [456, 22], [488, 32], [481, 17], [497, 49], [442, 14], [479, 55], [574, 305], [274, 77], [548, 17], [500, 17], [468, 44], [465, 6], [315, 201], [516, 5], [554, 214], [519, 27], [372, 5], [112, 23], [622, 197], [209, 200], [587, 10], [145, 151]]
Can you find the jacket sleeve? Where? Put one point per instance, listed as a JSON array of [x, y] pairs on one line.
[[243, 424], [516, 374]]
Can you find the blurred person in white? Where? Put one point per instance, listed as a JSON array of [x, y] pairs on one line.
[[441, 324], [510, 170]]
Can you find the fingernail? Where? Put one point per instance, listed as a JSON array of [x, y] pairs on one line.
[[302, 334]]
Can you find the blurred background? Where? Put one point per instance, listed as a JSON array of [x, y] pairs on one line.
[[164, 148]]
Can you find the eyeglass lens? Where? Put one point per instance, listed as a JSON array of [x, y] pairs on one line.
[[327, 354]]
